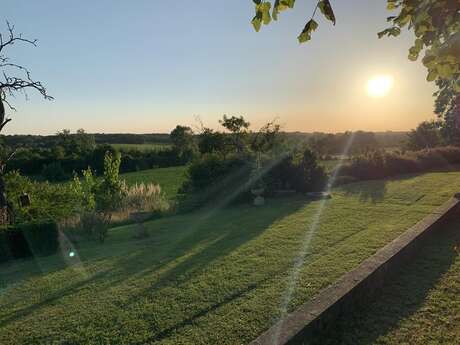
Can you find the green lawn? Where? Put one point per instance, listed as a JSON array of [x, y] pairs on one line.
[[421, 305], [170, 179], [211, 277], [142, 147]]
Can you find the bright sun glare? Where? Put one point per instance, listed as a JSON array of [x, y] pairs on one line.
[[379, 86]]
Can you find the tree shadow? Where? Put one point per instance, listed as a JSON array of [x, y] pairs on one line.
[[239, 226], [196, 240], [372, 190], [403, 296]]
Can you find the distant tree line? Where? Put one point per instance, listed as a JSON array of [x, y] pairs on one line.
[[57, 157], [47, 141]]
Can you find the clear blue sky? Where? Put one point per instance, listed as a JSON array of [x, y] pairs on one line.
[[145, 66]]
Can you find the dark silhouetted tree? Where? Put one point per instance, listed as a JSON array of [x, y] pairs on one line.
[[426, 135], [15, 79]]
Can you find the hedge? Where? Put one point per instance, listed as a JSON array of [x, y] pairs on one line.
[[31, 239]]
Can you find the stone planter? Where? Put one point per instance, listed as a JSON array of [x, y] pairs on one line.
[[259, 200], [319, 195]]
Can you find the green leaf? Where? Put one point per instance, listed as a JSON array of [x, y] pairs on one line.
[[393, 31], [284, 4], [432, 75], [305, 35], [457, 86], [391, 5], [257, 23], [265, 8], [326, 10]]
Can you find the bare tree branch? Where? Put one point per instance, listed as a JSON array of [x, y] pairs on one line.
[[16, 78], [12, 38]]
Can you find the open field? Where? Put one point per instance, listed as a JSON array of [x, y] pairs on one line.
[[142, 147], [420, 306], [170, 179], [211, 277]]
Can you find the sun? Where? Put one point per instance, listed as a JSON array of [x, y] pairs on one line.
[[379, 86]]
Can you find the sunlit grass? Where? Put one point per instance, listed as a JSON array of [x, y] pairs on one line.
[[420, 305], [169, 179], [203, 279]]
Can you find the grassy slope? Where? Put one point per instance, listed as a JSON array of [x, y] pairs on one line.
[[210, 277], [420, 306], [170, 179]]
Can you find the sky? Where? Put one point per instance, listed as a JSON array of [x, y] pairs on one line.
[[144, 66]]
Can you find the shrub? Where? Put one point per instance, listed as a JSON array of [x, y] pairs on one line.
[[377, 165], [94, 225], [48, 201], [24, 240], [341, 180], [299, 171], [54, 172], [213, 177]]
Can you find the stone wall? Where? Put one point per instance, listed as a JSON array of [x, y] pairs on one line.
[[358, 286]]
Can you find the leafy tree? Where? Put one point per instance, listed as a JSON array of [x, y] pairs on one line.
[[266, 138], [183, 141], [426, 135], [109, 193], [100, 197], [435, 23], [238, 128], [210, 141], [76, 145], [182, 137]]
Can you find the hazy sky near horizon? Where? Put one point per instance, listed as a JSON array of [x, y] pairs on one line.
[[144, 66]]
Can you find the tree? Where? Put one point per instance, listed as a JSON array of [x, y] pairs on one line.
[[210, 141], [76, 145], [183, 141], [436, 25], [237, 126], [266, 138], [426, 135], [181, 136], [16, 79]]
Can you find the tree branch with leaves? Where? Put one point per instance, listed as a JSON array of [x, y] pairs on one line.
[[435, 23]]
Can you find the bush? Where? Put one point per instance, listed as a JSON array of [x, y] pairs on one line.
[[298, 171], [378, 165], [48, 201], [213, 177], [24, 240], [94, 225], [54, 172], [341, 180]]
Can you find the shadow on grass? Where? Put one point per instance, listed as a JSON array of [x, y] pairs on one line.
[[216, 236], [400, 299], [178, 249], [373, 190]]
